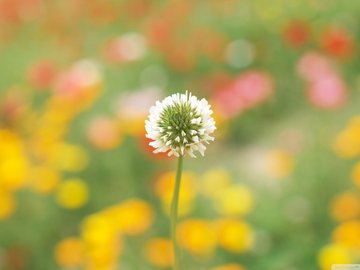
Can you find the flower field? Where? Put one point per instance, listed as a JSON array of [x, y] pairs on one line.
[[80, 186]]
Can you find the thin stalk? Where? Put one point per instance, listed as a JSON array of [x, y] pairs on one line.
[[174, 212]]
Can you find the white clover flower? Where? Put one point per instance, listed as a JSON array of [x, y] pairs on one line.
[[180, 124]]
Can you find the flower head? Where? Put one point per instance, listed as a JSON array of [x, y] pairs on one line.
[[180, 124]]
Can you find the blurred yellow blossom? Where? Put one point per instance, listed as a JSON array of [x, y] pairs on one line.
[[97, 229], [134, 127], [102, 241], [280, 163], [69, 253], [72, 193], [221, 121], [234, 200], [44, 179], [131, 217], [235, 235], [215, 180], [102, 257], [347, 142], [13, 162], [164, 187], [7, 204], [69, 157], [348, 234], [345, 206], [197, 236], [231, 266], [102, 232], [159, 252], [333, 254]]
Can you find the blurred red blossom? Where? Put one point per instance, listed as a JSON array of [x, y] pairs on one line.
[[170, 30], [137, 8], [16, 258], [297, 33], [338, 42], [244, 92], [12, 105], [42, 73], [144, 144], [17, 11], [79, 82]]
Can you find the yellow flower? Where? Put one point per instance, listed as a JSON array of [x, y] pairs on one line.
[[13, 172], [69, 253], [197, 236], [333, 254], [348, 234], [103, 257], [345, 206], [159, 252], [235, 235], [280, 163], [7, 204], [98, 230], [214, 181], [72, 193], [13, 162], [234, 200], [231, 266], [347, 142], [44, 179], [131, 217], [134, 126], [102, 242], [69, 157], [164, 188]]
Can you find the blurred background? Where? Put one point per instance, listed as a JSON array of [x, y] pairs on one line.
[[79, 185]]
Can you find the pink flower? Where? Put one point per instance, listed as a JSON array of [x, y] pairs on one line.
[[313, 65], [244, 92], [103, 133], [326, 89], [328, 92], [80, 81]]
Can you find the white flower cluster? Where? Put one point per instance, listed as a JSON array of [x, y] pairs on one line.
[[180, 124]]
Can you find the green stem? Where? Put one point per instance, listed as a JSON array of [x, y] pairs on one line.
[[174, 210]]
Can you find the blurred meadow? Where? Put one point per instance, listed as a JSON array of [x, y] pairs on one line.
[[81, 189]]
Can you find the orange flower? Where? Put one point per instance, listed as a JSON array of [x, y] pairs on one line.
[[348, 234], [345, 206], [164, 188], [69, 253], [159, 252]]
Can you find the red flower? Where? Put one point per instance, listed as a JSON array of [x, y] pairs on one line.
[[42, 74], [297, 33], [338, 42], [144, 144]]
